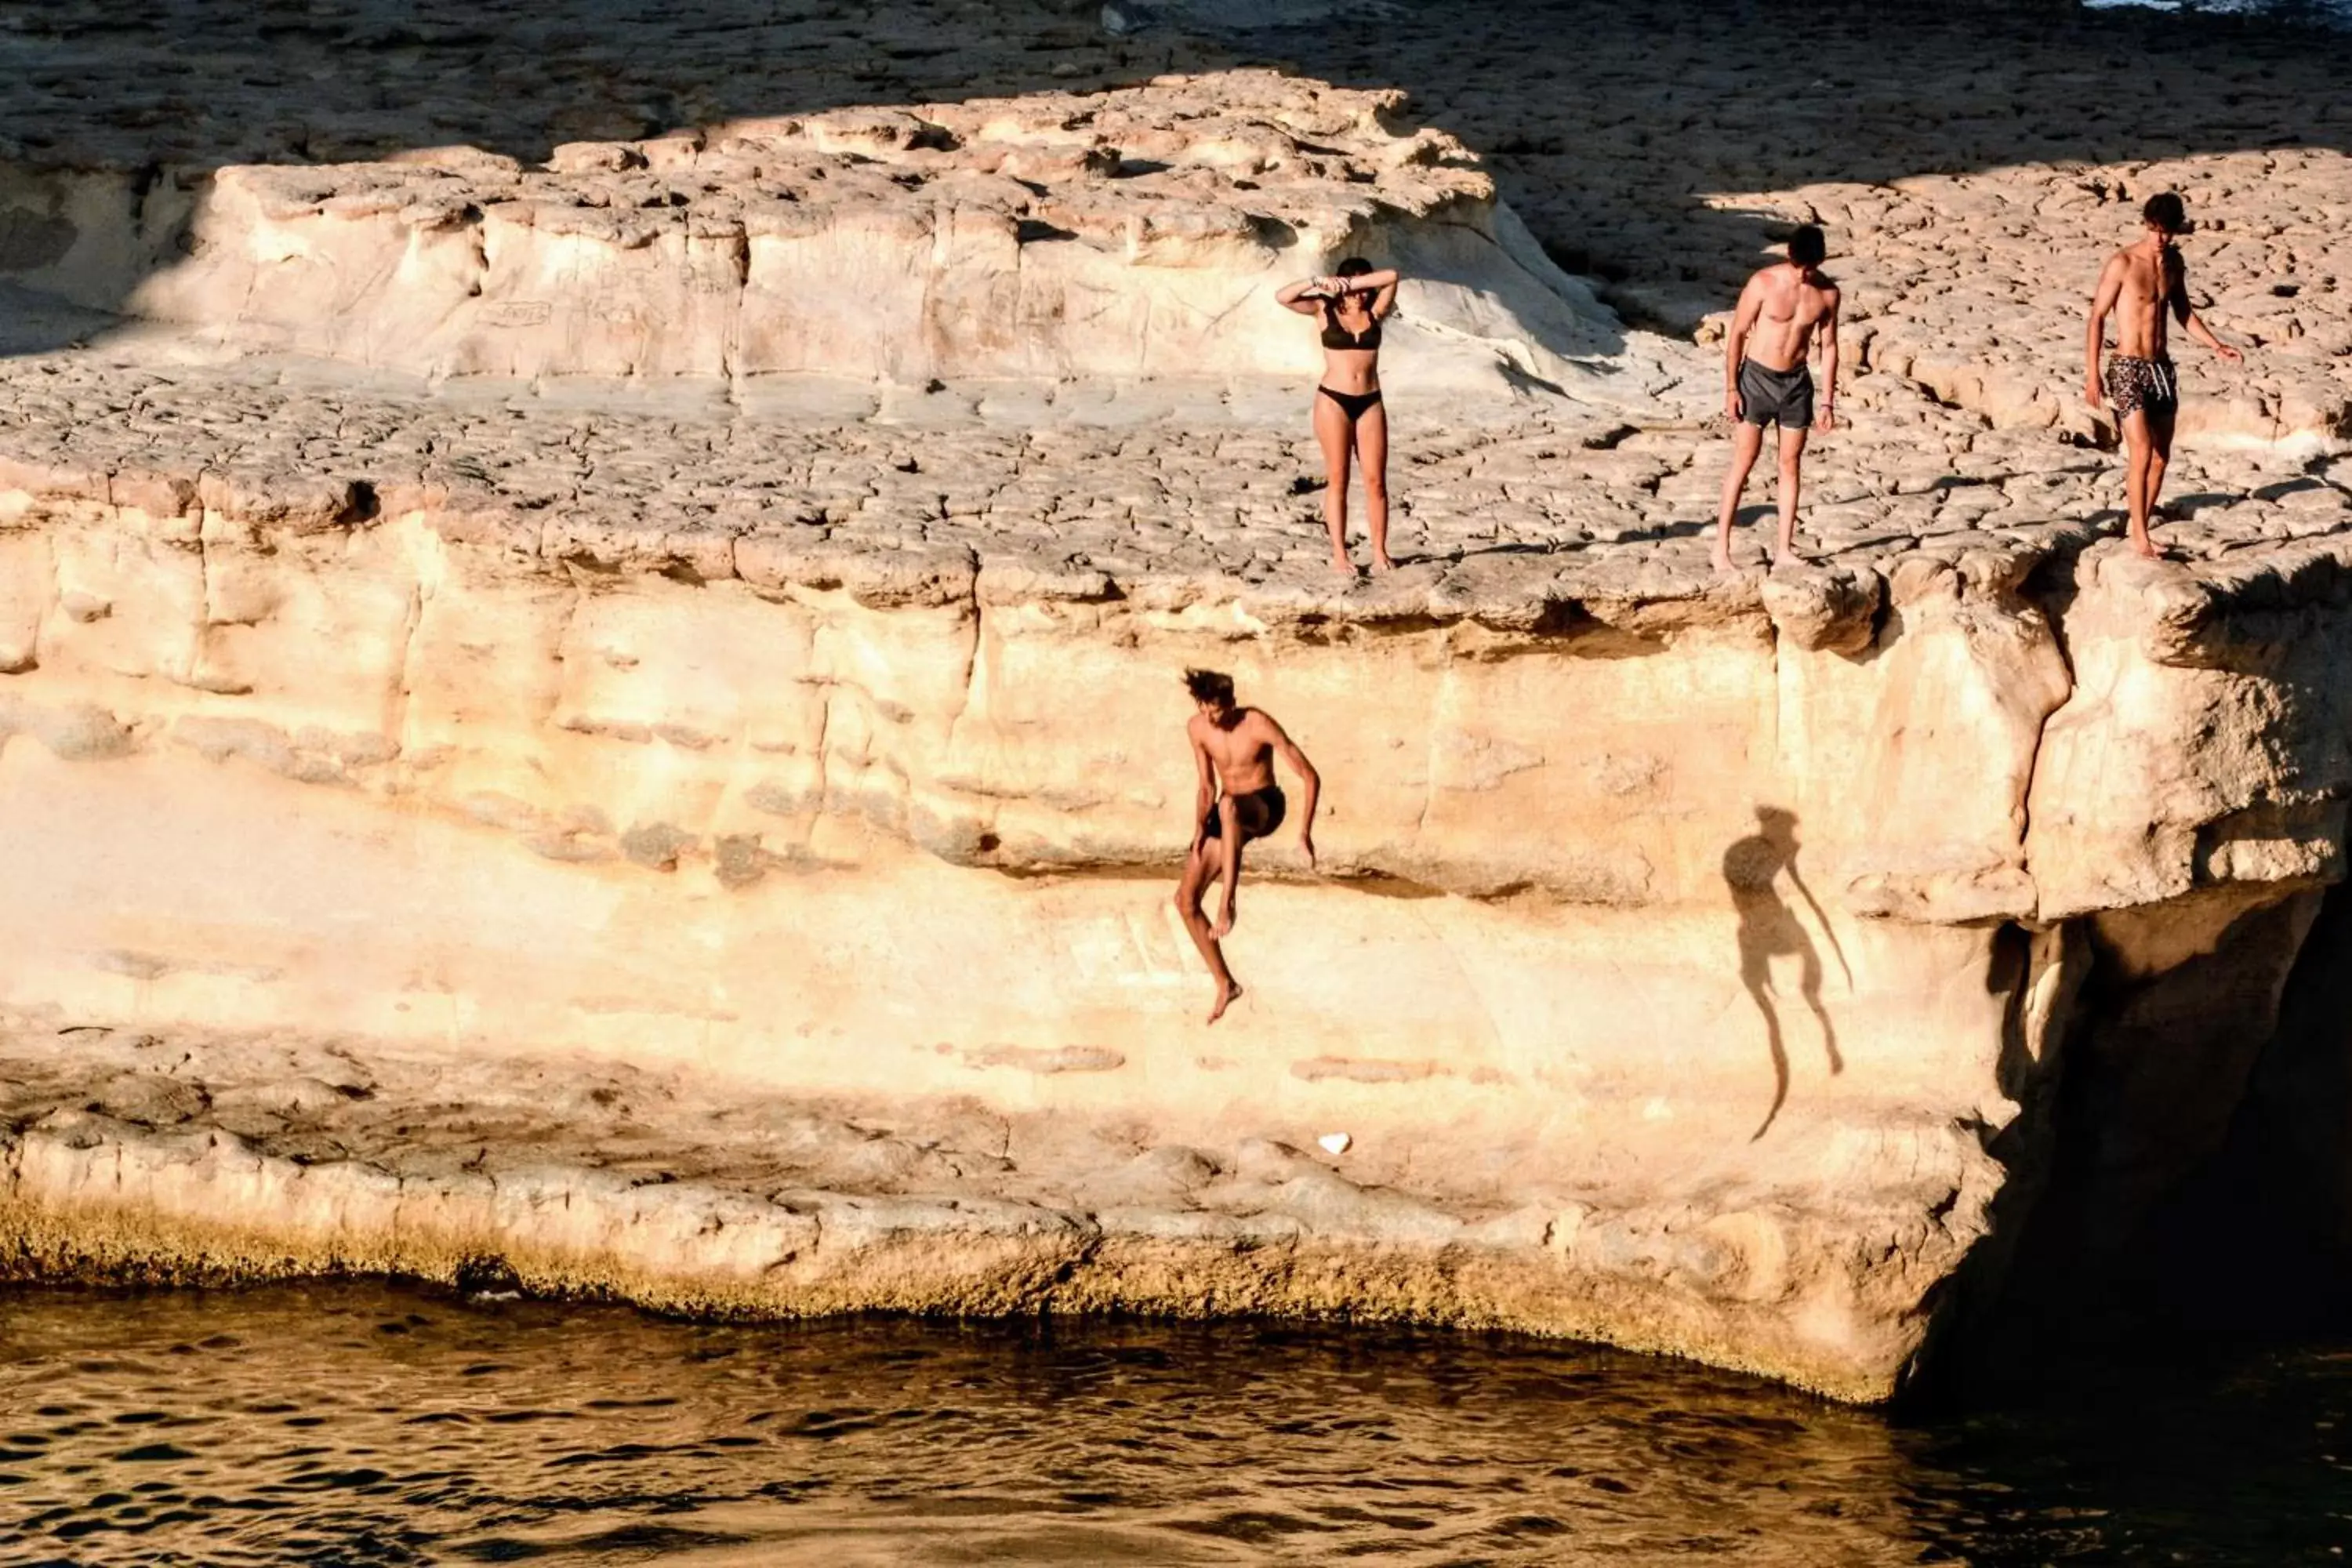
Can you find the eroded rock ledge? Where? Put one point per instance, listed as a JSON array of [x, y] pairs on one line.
[[1804, 871], [1139, 231], [193, 1159]]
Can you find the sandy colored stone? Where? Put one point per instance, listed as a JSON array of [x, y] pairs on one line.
[[588, 651]]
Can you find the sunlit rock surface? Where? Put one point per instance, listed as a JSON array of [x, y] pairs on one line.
[[678, 793]]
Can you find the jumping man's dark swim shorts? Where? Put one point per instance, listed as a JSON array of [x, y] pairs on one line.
[[1259, 813], [1783, 397]]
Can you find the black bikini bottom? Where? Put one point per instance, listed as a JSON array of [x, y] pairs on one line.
[[1354, 405], [1257, 814]]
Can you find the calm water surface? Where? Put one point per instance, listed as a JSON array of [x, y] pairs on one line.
[[359, 1423]]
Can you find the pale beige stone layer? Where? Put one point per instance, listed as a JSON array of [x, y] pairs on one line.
[[1651, 916]]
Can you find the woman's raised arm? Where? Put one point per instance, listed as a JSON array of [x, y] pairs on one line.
[[1304, 296]]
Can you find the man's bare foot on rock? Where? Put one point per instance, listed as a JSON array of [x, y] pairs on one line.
[[1723, 567], [1341, 563], [1225, 996], [1382, 563]]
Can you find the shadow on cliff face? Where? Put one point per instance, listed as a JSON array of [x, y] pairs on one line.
[[1770, 928], [1606, 120], [2219, 1197], [2193, 1183]]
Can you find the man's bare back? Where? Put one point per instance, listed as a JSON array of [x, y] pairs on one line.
[[2146, 289]]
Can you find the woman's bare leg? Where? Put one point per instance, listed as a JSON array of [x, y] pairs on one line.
[[1372, 453], [1331, 429]]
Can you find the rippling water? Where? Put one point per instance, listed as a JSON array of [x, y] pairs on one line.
[[356, 1424]]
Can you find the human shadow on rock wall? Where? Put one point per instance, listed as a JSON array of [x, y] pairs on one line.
[[1606, 120], [1769, 929]]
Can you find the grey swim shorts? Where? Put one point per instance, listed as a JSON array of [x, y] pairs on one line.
[[1783, 397]]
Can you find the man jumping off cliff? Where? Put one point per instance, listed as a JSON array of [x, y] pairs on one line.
[[1238, 800], [1766, 382], [2138, 286]]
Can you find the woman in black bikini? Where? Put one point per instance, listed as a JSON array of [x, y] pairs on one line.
[[1349, 418]]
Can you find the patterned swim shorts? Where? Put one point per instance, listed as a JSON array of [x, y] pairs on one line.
[[2149, 384]]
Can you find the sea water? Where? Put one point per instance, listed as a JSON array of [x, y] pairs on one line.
[[369, 1423]]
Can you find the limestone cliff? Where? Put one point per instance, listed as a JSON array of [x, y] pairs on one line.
[[1663, 974], [678, 794]]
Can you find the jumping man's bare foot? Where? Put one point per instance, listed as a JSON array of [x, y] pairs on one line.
[[1722, 564], [1225, 996], [1382, 563], [1341, 563]]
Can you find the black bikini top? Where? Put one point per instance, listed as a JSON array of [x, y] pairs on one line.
[[1336, 336]]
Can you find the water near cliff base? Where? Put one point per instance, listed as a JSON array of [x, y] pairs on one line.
[[362, 1424]]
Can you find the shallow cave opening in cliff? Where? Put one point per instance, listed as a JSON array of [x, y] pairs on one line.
[[2258, 1238], [2197, 1198]]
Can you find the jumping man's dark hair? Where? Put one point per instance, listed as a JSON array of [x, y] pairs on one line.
[[1807, 247], [1210, 686], [2164, 210], [1354, 266]]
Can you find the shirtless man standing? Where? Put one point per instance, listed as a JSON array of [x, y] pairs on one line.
[[1766, 382], [2139, 284], [1233, 749]]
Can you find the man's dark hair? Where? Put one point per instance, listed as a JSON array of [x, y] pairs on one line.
[[1354, 266], [1210, 686], [2164, 210], [1807, 247]]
